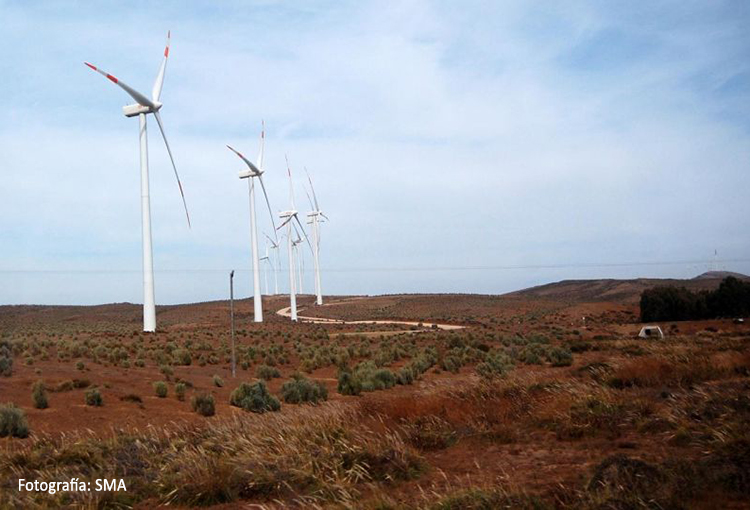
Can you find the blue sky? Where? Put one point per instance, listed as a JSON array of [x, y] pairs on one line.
[[456, 146]]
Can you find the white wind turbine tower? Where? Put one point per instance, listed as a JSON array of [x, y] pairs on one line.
[[143, 107], [314, 221], [275, 246], [288, 217], [299, 257], [250, 174]]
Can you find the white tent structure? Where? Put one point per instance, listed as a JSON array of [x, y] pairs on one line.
[[651, 332]]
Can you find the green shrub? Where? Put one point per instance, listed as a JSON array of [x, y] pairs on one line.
[[254, 397], [167, 371], [6, 358], [371, 378], [218, 381], [451, 364], [300, 389], [560, 357], [94, 398], [266, 372], [497, 364], [161, 389], [405, 376], [348, 384], [179, 390], [182, 357], [204, 404], [80, 365], [13, 422], [39, 395]]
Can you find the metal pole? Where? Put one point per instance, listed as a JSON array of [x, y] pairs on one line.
[[231, 315]]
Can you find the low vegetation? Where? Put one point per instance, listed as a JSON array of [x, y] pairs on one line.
[[6, 358], [161, 389], [300, 390], [254, 397], [266, 372], [611, 420], [13, 422], [94, 398], [204, 404], [39, 395]]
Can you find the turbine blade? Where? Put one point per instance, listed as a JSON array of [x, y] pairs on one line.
[[139, 98], [156, 91], [261, 151], [270, 213], [312, 188], [291, 186], [308, 198], [285, 222], [274, 244], [303, 232], [174, 167], [247, 161]]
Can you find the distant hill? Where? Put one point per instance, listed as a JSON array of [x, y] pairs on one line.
[[619, 291], [712, 275]]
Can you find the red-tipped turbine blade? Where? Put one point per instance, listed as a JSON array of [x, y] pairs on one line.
[[140, 98], [243, 158], [159, 83]]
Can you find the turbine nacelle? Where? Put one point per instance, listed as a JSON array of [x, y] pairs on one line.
[[133, 110], [246, 174]]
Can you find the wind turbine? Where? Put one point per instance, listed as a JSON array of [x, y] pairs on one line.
[[300, 258], [143, 107], [275, 246], [265, 269], [314, 221], [252, 172], [288, 216]]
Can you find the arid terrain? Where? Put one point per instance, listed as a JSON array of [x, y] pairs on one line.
[[543, 398]]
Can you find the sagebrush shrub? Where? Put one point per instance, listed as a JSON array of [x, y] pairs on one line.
[[560, 357], [218, 381], [348, 384], [301, 389], [266, 372], [94, 398], [179, 390], [497, 364], [254, 397], [204, 404], [39, 395], [405, 376], [6, 358], [182, 357], [161, 389], [167, 371], [13, 422]]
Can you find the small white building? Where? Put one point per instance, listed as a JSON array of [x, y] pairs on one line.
[[651, 332]]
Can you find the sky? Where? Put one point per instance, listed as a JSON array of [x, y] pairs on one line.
[[473, 147]]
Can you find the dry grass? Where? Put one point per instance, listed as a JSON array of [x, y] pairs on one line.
[[314, 455]]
